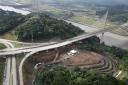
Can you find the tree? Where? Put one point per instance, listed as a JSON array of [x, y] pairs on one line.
[[48, 28], [65, 76]]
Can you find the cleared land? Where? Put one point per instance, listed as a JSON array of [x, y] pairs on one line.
[[83, 59]]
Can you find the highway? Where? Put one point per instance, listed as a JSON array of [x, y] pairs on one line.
[[34, 49], [14, 51], [11, 73], [6, 80], [50, 47], [10, 67], [11, 76], [21, 43]]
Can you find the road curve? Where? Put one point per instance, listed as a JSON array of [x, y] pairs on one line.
[[50, 47], [11, 76], [62, 43], [7, 66]]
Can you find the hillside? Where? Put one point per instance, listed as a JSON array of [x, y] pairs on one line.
[[51, 74], [39, 28], [44, 27], [63, 76], [9, 20]]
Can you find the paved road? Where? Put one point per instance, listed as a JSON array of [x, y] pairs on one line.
[[49, 47], [109, 39], [18, 42], [56, 45], [7, 66], [10, 72]]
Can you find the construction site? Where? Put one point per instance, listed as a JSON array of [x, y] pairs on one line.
[[67, 56]]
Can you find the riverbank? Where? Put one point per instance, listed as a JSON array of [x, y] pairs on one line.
[[8, 8], [110, 39]]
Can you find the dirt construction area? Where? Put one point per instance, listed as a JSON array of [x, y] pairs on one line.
[[84, 58], [69, 58], [89, 60]]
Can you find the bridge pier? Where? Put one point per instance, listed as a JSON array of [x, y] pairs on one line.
[[101, 38]]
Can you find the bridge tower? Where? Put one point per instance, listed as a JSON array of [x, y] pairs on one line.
[[35, 10], [35, 7], [101, 38], [104, 22]]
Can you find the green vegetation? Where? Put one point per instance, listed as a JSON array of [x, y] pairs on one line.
[[2, 46], [117, 13], [41, 27], [83, 20], [19, 57], [2, 61], [9, 20], [93, 44], [63, 76], [45, 27]]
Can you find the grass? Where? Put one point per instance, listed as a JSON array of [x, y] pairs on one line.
[[83, 20], [51, 9], [88, 20], [9, 35], [123, 75], [2, 46], [1, 66], [19, 57], [1, 70]]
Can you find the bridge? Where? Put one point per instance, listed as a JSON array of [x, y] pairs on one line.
[[10, 71], [10, 52], [13, 51], [11, 76]]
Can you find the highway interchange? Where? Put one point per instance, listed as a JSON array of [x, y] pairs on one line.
[[14, 51], [11, 51], [32, 48], [11, 73], [10, 76]]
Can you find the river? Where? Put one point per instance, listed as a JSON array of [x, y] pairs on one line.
[[109, 38], [8, 8]]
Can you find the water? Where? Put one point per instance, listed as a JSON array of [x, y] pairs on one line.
[[8, 8], [109, 38]]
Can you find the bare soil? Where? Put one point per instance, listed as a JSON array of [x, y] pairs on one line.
[[85, 58]]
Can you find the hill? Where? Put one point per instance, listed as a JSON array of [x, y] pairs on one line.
[[9, 20], [45, 27], [34, 27], [63, 76]]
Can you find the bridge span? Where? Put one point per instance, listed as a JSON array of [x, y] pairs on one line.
[[13, 51]]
